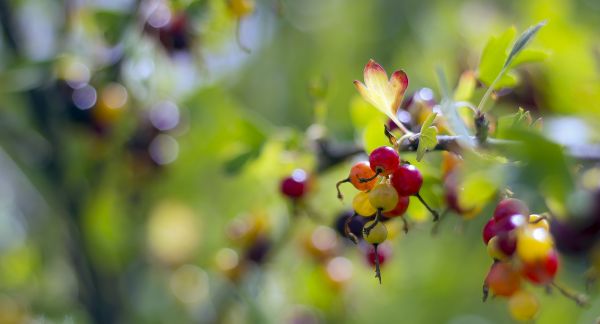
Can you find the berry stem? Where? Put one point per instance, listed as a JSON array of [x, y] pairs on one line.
[[578, 298], [347, 231], [337, 186], [368, 229], [435, 214], [404, 225], [377, 269], [486, 292], [238, 36], [377, 172], [486, 288], [436, 226]]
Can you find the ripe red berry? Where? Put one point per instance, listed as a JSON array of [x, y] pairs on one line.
[[507, 243], [383, 252], [542, 271], [295, 186], [407, 180], [509, 207], [384, 160], [489, 231], [400, 208], [503, 280], [509, 223]]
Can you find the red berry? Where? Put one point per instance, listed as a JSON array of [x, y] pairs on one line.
[[407, 180], [542, 271], [503, 280], [385, 160], [295, 186], [509, 207], [400, 208], [507, 243], [383, 252], [509, 223], [489, 230]]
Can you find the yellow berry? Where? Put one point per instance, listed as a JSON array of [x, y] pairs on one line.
[[494, 251], [362, 206], [536, 221], [377, 235], [533, 244], [383, 196], [241, 8], [523, 306]]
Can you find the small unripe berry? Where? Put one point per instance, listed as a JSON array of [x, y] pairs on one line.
[[362, 205], [377, 234], [383, 197]]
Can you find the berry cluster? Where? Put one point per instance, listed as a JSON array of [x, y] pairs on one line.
[[523, 250], [385, 184]]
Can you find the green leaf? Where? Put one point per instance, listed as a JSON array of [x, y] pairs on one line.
[[494, 56], [529, 55], [522, 41], [428, 137]]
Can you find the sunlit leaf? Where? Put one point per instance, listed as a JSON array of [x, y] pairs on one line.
[[522, 41], [529, 55], [428, 137], [494, 56]]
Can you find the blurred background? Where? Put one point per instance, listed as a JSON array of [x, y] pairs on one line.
[[142, 145]]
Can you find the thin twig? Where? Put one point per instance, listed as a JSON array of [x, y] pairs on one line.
[[377, 266], [435, 214], [580, 299]]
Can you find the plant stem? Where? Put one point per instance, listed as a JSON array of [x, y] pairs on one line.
[[578, 298], [490, 89], [435, 214]]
